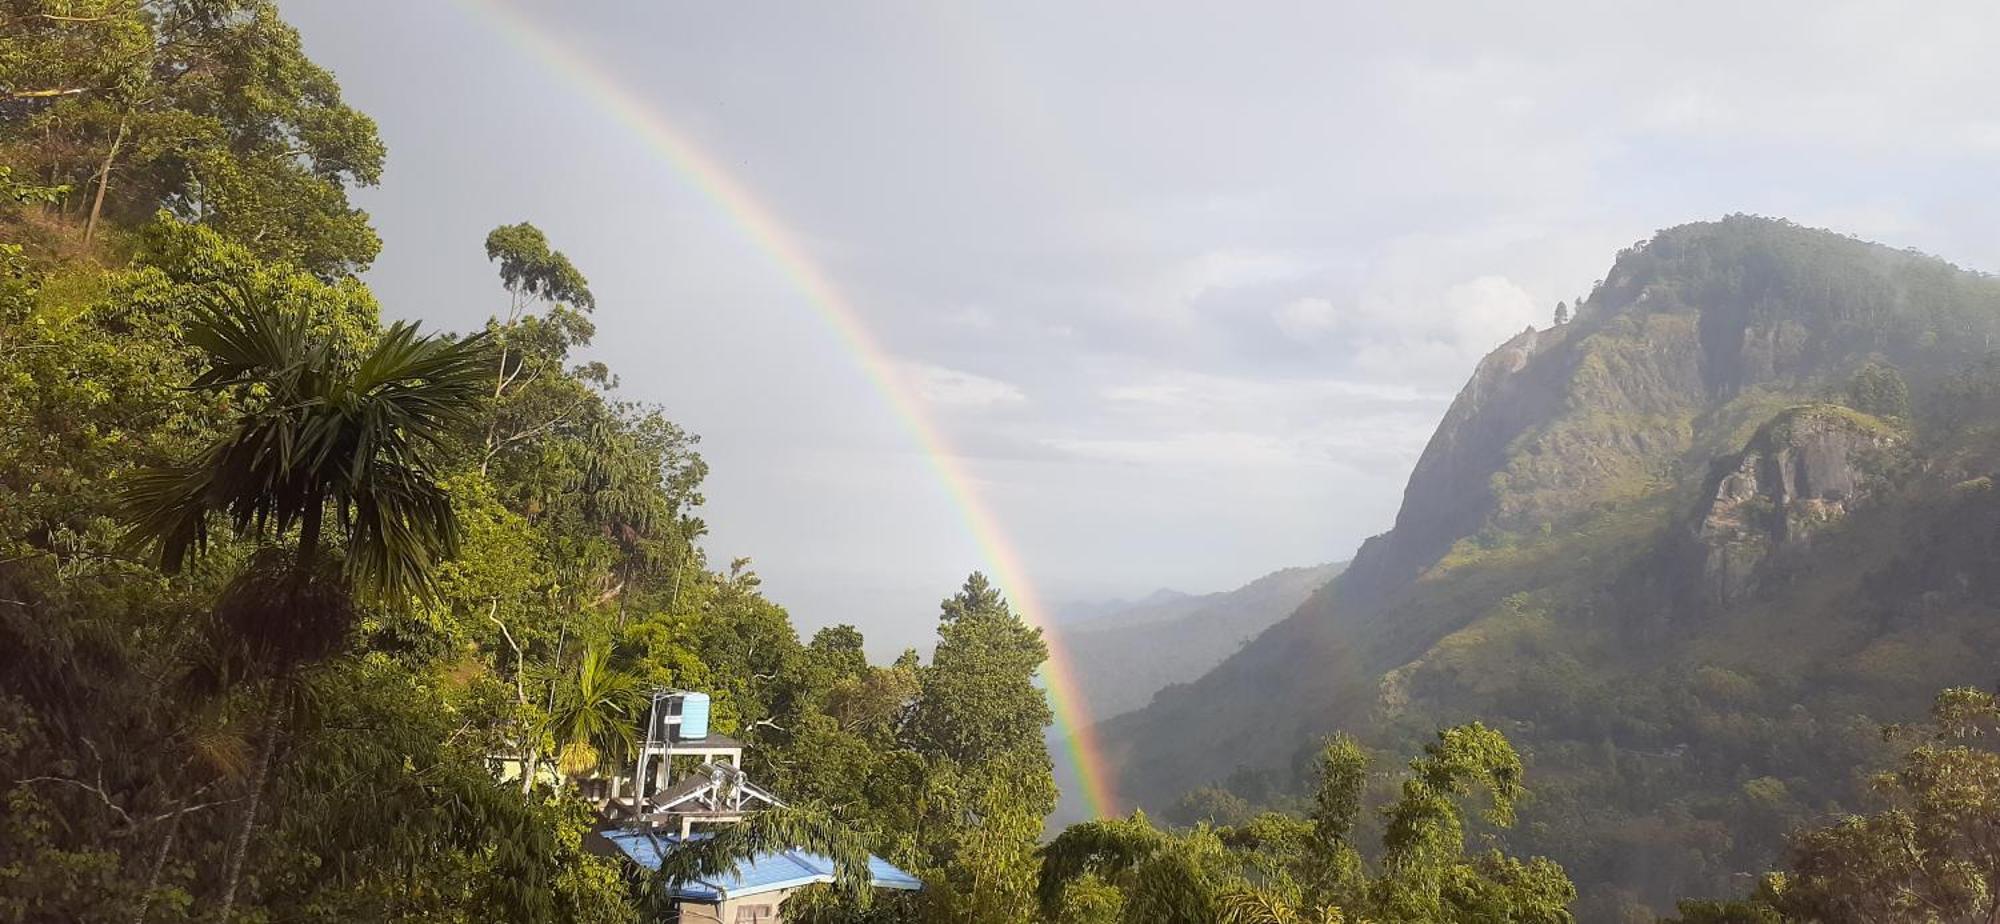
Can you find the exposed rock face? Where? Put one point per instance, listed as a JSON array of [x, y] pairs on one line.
[[1512, 389], [1549, 424], [1805, 468]]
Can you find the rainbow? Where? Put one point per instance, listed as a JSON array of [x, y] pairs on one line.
[[762, 228]]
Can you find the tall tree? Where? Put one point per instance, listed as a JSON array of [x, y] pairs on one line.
[[977, 700], [977, 726], [318, 432], [1337, 877], [1425, 874], [207, 107], [532, 394], [1879, 389]]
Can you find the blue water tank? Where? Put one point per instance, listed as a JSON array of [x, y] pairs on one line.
[[694, 716]]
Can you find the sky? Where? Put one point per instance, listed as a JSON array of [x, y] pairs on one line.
[[1185, 287]]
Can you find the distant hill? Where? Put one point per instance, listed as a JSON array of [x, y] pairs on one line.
[[1124, 656], [1687, 551], [1159, 606]]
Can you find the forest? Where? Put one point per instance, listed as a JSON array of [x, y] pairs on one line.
[[282, 583]]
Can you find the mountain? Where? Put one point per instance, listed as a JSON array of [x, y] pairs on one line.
[[1125, 656], [1688, 551]]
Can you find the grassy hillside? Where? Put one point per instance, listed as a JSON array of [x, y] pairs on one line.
[[1687, 550]]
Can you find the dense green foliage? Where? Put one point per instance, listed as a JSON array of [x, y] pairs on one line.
[[1929, 854], [1276, 868], [285, 590], [208, 108]]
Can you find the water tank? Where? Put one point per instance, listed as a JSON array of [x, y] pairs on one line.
[[694, 716]]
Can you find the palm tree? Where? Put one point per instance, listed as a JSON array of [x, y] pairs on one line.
[[593, 717], [319, 429]]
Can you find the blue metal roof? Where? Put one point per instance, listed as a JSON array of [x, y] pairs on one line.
[[765, 872]]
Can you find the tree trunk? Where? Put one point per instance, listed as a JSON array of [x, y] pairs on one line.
[[159, 864], [499, 386], [232, 870], [530, 754], [104, 178], [562, 639], [534, 756], [309, 531]]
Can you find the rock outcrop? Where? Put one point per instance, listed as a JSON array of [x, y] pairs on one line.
[[1806, 468]]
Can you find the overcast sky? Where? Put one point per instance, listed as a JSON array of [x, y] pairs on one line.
[[1186, 285]]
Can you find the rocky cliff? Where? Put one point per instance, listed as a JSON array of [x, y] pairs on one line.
[[1802, 473]]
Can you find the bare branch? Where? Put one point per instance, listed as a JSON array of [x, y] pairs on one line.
[[97, 790], [520, 660], [536, 430], [49, 93]]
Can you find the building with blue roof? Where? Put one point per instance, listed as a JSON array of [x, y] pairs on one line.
[[688, 778], [761, 875]]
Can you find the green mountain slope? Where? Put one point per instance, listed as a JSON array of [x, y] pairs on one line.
[[1687, 550]]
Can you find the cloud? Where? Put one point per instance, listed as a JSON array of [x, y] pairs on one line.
[[1485, 311], [1229, 269], [1170, 293], [1384, 444], [1306, 318], [1150, 393], [972, 317], [1242, 428], [1410, 329], [957, 388], [1205, 449], [1241, 396]]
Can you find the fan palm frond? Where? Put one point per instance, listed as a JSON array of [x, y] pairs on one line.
[[318, 428], [594, 712]]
